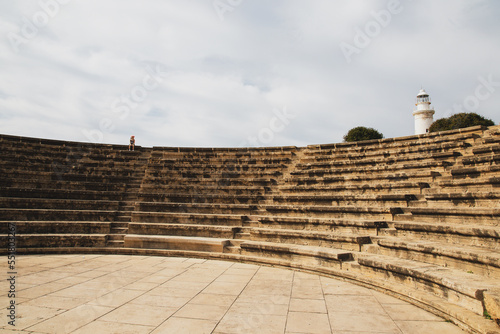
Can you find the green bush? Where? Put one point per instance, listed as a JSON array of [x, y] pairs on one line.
[[458, 121], [362, 133]]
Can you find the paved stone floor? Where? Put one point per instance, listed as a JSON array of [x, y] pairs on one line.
[[145, 294]]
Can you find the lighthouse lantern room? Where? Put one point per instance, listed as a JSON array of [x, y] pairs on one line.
[[423, 113]]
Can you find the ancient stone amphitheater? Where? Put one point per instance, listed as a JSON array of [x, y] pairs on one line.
[[415, 217]]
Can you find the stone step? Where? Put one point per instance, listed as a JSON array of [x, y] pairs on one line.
[[115, 243], [329, 211], [94, 168], [119, 224], [481, 160], [467, 134], [411, 167], [384, 158], [202, 208], [245, 236], [274, 210], [204, 167], [362, 180], [457, 234], [41, 203], [305, 255], [166, 183], [160, 193], [381, 188], [460, 215], [398, 174], [60, 214], [63, 185], [350, 242], [478, 260], [55, 227], [231, 154], [476, 199], [70, 159], [474, 172], [486, 149], [464, 186], [398, 161], [189, 218], [116, 237], [209, 197], [61, 194], [387, 151], [119, 230], [331, 225], [348, 200], [453, 285], [210, 172], [193, 230], [54, 240], [176, 242]]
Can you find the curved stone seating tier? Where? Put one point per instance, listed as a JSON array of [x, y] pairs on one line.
[[158, 161], [396, 159], [397, 172], [466, 135], [231, 152], [470, 259], [203, 182], [413, 188], [345, 226], [480, 216], [50, 214], [493, 159], [416, 217], [195, 197], [479, 198], [200, 193], [323, 239], [61, 194], [464, 289], [363, 179], [28, 170], [209, 172], [43, 203], [389, 200], [490, 184], [221, 176], [209, 244], [460, 234], [55, 227], [188, 218], [66, 185], [438, 151], [55, 240]]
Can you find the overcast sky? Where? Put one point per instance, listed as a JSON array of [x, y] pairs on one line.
[[241, 72]]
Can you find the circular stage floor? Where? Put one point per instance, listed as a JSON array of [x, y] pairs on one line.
[[145, 294]]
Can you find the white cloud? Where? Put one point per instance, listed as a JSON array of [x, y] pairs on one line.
[[223, 79]]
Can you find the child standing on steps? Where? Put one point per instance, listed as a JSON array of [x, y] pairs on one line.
[[131, 146]]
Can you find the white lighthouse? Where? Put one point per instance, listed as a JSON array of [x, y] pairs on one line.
[[423, 113]]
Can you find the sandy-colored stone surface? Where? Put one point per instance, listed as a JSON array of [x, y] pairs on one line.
[[144, 294]]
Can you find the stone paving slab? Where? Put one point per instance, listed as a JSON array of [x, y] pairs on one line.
[[144, 294]]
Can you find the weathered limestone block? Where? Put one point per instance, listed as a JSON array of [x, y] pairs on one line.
[[176, 242], [492, 304]]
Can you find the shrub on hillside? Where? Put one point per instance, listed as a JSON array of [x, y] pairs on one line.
[[362, 133], [458, 121]]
